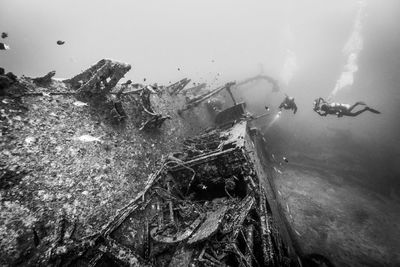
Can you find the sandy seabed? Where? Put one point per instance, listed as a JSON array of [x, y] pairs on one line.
[[349, 224]]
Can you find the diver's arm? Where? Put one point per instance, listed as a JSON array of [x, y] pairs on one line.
[[318, 101], [294, 108]]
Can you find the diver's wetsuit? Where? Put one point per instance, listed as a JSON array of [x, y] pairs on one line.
[[324, 108], [288, 103]]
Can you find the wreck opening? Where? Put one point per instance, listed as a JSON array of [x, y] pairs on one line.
[[218, 187]]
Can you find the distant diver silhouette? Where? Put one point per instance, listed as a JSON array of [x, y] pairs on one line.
[[288, 103], [4, 46], [324, 108], [59, 42]]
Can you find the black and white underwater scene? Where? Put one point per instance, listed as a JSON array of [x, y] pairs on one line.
[[189, 133]]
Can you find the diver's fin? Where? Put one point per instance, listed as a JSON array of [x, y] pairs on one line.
[[373, 110]]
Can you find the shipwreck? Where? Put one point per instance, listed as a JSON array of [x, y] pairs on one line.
[[210, 204], [207, 205]]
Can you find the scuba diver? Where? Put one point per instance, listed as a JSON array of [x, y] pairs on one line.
[[288, 103], [324, 108]]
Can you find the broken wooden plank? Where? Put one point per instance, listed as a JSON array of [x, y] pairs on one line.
[[178, 86], [160, 218], [241, 258], [265, 229], [146, 240], [180, 236], [194, 88], [249, 239], [121, 253], [237, 218], [106, 72], [197, 100], [170, 205], [211, 93], [210, 226], [95, 259]]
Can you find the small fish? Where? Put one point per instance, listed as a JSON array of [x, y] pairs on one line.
[[179, 69], [144, 79], [46, 94], [285, 159], [88, 138], [4, 35], [267, 108], [59, 42], [80, 104]]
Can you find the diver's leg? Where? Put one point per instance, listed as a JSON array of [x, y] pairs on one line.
[[361, 111], [356, 104], [356, 113]]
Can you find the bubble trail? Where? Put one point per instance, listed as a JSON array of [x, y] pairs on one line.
[[289, 67], [352, 50]]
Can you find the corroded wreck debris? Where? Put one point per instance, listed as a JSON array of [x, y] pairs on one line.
[[6, 80], [46, 79], [178, 86], [140, 96], [195, 101], [205, 206], [100, 78], [194, 89]]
